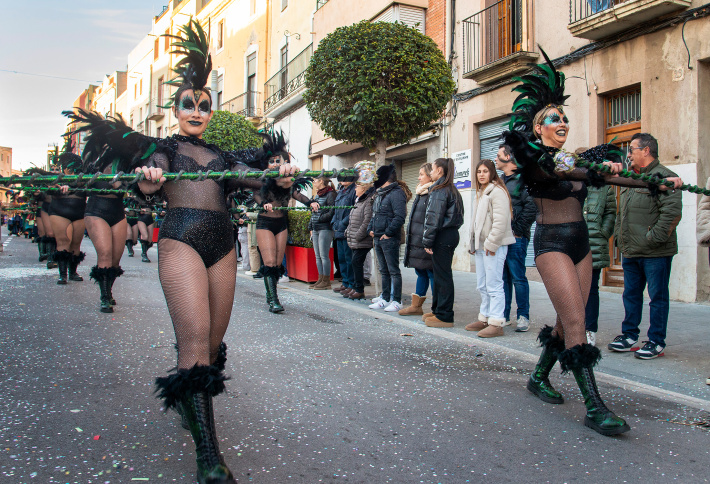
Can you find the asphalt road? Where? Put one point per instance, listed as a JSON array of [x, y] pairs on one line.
[[321, 393]]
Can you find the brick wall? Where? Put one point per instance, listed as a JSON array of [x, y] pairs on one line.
[[436, 22]]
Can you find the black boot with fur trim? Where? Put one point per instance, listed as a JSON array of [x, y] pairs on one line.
[[580, 360], [63, 259], [101, 275], [73, 265], [113, 274], [539, 382], [51, 253], [194, 388]]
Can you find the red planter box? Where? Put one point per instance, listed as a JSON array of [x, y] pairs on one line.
[[156, 230], [301, 263]]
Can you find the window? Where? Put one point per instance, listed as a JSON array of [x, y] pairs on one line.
[[284, 4], [135, 91], [160, 91], [251, 83], [166, 41], [284, 71], [220, 34], [159, 132], [140, 87], [156, 47]]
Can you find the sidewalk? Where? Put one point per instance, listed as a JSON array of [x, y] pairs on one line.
[[683, 369]]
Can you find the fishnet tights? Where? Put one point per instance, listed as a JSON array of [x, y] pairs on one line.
[[199, 300], [568, 287], [272, 246]]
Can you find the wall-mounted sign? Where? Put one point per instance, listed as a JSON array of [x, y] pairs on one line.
[[462, 172]]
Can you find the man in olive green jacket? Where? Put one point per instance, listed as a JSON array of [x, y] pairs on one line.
[[646, 234]]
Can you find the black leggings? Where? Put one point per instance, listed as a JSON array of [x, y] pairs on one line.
[[358, 264], [442, 304]]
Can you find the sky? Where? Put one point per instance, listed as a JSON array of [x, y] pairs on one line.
[[81, 40]]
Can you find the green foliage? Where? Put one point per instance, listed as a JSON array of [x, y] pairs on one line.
[[298, 228], [377, 81], [231, 132]]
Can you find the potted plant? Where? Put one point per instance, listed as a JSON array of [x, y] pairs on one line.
[[300, 256]]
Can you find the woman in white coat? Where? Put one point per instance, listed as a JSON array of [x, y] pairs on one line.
[[491, 235]]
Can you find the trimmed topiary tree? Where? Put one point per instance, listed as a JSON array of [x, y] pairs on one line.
[[377, 84], [231, 132]]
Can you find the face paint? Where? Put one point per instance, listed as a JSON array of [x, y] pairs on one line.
[[555, 119], [204, 108], [187, 105]]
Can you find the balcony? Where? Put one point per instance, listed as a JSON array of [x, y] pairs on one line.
[[155, 112], [247, 104], [496, 41], [283, 89], [598, 19]]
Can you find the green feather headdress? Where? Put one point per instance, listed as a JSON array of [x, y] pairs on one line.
[[544, 86], [193, 70]]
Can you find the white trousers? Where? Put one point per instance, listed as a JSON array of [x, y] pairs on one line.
[[489, 277]]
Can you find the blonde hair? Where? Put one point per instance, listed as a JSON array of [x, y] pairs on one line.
[[427, 167], [542, 114]]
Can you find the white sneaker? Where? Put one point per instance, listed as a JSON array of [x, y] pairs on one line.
[[393, 306], [592, 338], [284, 279], [381, 304], [249, 273], [523, 324], [377, 298]]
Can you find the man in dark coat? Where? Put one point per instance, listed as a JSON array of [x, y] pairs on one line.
[[341, 218], [524, 213]]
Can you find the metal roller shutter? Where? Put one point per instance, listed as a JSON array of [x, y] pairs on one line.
[[410, 175], [489, 136]]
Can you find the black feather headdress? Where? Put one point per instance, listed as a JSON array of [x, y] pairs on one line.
[[67, 159], [110, 142], [194, 68], [544, 86]]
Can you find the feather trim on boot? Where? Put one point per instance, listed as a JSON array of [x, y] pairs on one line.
[[579, 356], [185, 382], [547, 339]]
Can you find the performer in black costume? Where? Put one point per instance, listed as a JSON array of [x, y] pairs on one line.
[[145, 231], [272, 225], [66, 215], [197, 260], [46, 242], [539, 129], [106, 223], [132, 225]]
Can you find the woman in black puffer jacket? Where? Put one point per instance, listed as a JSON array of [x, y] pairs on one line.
[[414, 254], [321, 231]]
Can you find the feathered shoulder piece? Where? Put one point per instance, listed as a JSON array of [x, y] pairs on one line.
[[36, 170], [258, 158], [194, 68], [110, 142], [544, 86], [67, 159]]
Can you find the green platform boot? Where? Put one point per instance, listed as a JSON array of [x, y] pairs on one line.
[[539, 383]]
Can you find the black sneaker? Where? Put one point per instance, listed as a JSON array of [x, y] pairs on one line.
[[649, 351], [623, 343]]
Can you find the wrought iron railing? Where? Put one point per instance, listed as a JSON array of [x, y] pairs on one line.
[[247, 104], [493, 33], [581, 9], [288, 79]]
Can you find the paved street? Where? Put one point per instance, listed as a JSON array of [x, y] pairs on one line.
[[329, 391]]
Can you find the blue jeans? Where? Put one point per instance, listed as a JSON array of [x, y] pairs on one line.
[[345, 257], [591, 311], [514, 275], [425, 278], [656, 272], [321, 246], [387, 252], [285, 268]]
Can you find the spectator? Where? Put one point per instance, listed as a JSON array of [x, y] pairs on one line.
[[600, 215], [357, 234], [524, 212], [341, 218], [243, 240], [703, 229], [389, 210], [492, 233], [443, 218], [646, 234], [414, 254], [321, 231]]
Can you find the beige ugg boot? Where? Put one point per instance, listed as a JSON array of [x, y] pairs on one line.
[[426, 315], [323, 284], [482, 323], [320, 279], [434, 322], [494, 328], [415, 308]]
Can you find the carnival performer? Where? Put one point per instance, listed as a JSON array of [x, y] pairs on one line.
[[106, 223], [272, 225], [197, 260], [539, 129], [145, 230], [46, 242], [66, 215], [131, 225]]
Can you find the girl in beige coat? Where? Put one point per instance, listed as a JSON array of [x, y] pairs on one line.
[[491, 235]]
